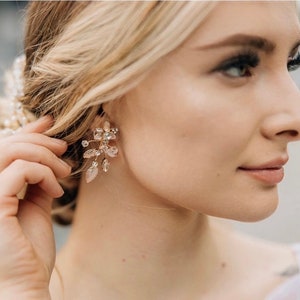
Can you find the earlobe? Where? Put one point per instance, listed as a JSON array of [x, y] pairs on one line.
[[106, 112], [98, 121], [108, 109], [112, 110]]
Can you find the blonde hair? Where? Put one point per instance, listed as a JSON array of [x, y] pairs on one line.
[[82, 54]]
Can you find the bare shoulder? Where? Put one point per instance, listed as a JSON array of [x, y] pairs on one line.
[[267, 264], [254, 264], [280, 258]]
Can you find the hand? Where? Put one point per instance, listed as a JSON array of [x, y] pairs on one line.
[[27, 248]]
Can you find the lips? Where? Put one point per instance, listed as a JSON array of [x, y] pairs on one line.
[[270, 173]]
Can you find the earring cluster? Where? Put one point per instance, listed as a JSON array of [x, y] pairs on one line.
[[102, 137]]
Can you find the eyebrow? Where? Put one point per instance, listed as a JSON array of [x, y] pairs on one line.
[[255, 42]]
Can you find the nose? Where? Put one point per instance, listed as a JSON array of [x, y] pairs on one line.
[[283, 120]]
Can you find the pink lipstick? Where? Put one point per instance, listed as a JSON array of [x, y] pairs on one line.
[[270, 176], [270, 173]]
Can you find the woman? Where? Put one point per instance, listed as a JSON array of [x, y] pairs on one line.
[[204, 106]]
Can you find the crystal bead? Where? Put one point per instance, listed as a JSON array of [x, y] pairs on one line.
[[112, 151], [98, 134], [114, 130], [105, 165], [109, 136], [103, 147], [94, 164], [84, 143]]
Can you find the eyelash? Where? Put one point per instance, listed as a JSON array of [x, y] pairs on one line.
[[243, 62], [294, 62]]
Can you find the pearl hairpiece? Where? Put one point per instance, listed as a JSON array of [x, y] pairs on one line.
[[16, 116]]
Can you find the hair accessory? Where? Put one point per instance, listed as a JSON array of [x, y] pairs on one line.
[[103, 136], [16, 115]]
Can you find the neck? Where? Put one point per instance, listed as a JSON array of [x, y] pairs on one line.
[[126, 240]]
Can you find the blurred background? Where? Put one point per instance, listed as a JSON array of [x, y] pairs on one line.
[[282, 226]]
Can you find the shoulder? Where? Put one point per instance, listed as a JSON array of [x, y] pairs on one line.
[[296, 251], [290, 288], [259, 265], [268, 266]]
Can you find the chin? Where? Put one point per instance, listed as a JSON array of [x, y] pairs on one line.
[[259, 210], [250, 208]]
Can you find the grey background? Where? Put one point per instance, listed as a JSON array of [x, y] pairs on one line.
[[282, 226]]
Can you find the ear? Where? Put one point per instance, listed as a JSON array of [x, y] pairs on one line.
[[108, 113], [111, 110], [98, 121], [108, 109]]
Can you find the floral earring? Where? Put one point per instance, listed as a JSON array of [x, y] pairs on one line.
[[102, 137]]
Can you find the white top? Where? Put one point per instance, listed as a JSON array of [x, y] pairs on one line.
[[289, 290]]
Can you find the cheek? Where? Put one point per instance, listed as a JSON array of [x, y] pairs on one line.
[[178, 158], [182, 145], [156, 156]]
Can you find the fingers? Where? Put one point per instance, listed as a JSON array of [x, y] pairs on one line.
[[39, 126], [32, 158], [21, 172], [57, 146], [13, 179], [30, 145], [31, 133], [35, 153]]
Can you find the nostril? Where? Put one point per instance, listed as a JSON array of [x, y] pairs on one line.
[[292, 133]]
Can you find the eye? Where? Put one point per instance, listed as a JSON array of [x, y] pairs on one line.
[[238, 71], [294, 61], [239, 66]]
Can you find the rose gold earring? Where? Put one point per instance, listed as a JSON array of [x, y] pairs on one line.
[[103, 136]]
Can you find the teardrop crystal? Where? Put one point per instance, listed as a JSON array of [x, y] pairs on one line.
[[106, 126], [91, 174], [105, 165], [89, 153]]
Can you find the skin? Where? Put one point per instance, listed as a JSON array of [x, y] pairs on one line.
[[185, 131], [204, 125], [28, 158], [142, 230]]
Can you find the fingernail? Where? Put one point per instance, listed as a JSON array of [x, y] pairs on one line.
[[59, 141], [65, 164], [60, 192], [45, 118]]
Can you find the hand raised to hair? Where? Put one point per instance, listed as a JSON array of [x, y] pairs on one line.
[[27, 248]]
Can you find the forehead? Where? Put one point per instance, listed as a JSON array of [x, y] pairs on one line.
[[267, 18]]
